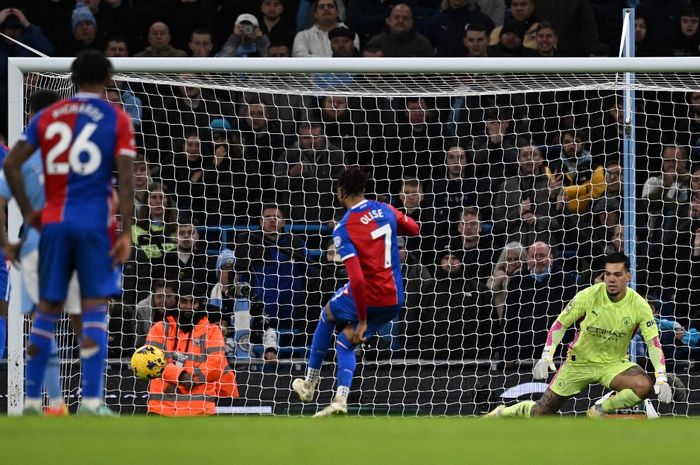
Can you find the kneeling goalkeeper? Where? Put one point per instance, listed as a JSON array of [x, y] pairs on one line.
[[609, 314]]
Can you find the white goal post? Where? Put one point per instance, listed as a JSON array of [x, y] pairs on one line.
[[396, 78]]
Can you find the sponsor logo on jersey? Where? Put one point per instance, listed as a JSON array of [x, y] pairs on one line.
[[627, 322], [337, 241], [604, 333]]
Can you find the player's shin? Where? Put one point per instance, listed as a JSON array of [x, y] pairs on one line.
[[345, 354], [92, 353], [319, 346], [623, 399], [39, 351]]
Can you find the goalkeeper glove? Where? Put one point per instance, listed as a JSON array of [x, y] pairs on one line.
[[662, 389], [544, 364]]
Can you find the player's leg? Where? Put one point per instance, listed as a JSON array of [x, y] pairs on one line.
[[321, 341], [55, 268], [632, 386], [98, 280]]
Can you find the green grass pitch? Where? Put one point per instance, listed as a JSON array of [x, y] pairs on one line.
[[136, 440]]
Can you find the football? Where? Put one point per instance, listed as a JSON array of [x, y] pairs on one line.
[[148, 362]]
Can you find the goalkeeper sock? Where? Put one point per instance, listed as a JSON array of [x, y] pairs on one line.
[[3, 335], [319, 346], [52, 379], [93, 358], [521, 409], [41, 339], [623, 399], [345, 354]]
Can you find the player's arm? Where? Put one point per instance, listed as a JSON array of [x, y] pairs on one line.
[[405, 225], [357, 285], [650, 333], [17, 156], [570, 315]]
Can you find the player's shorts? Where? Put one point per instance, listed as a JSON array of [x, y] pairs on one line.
[[65, 248], [30, 279], [5, 281], [574, 376], [343, 309]]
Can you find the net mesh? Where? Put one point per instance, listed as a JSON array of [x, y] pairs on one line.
[[516, 180]]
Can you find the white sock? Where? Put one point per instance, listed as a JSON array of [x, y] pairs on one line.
[[313, 375], [343, 391], [91, 403], [32, 403]]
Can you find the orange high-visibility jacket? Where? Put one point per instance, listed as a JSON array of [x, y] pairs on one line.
[[205, 361]]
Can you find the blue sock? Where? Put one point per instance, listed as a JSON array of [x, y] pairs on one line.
[[3, 335], [93, 358], [345, 354], [320, 342], [41, 340], [52, 379]]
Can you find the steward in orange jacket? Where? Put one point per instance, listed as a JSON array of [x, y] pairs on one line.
[[197, 372]]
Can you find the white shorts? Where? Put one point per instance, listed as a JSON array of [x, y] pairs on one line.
[[30, 279]]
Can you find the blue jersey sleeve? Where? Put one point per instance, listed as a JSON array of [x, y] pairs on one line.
[[31, 134], [342, 242]]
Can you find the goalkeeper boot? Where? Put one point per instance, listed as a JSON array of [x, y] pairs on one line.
[[101, 411], [595, 412], [304, 389], [339, 406], [495, 413]]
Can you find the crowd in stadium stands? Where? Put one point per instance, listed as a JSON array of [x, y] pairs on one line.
[[519, 195]]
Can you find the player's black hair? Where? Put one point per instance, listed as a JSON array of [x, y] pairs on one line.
[[353, 181], [90, 67], [618, 257], [42, 99]]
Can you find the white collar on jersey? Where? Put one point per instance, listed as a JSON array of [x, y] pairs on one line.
[[88, 94], [359, 205]]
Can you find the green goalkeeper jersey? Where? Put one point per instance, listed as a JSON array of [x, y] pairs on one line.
[[606, 327]]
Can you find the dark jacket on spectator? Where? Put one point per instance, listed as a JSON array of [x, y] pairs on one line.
[[413, 44], [446, 29], [578, 32]]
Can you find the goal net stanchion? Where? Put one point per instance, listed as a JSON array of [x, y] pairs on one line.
[[498, 135]]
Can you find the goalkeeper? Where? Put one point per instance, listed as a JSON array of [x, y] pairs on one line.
[[609, 314]]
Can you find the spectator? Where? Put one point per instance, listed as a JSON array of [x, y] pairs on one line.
[[475, 247], [184, 171], [187, 263], [447, 27], [159, 43], [613, 186], [578, 31], [583, 180], [399, 38], [343, 42], [413, 202], [530, 226], [201, 42], [116, 47], [511, 42], [476, 41], [247, 39], [346, 127], [532, 181], [510, 262], [305, 13], [278, 50], [263, 143], [196, 368], [686, 41], [142, 180], [273, 23], [522, 11], [276, 262], [535, 299], [324, 278], [372, 51], [314, 41], [666, 192], [367, 17], [152, 309], [153, 234], [457, 187], [111, 16], [496, 152], [644, 45], [14, 24], [84, 27], [547, 39], [305, 173], [128, 101], [662, 19], [494, 9]]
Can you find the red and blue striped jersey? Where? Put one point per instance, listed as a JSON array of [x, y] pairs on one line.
[[368, 230], [79, 139]]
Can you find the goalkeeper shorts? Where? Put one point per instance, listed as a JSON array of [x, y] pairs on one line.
[[574, 376]]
